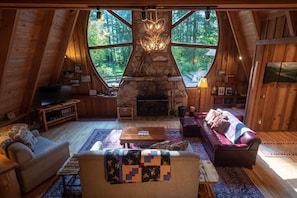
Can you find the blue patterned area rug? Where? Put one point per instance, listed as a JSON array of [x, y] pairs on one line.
[[233, 181]]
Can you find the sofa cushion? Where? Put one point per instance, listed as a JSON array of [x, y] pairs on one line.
[[23, 135]]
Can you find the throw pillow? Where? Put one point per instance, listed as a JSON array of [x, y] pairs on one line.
[[179, 146], [209, 114], [5, 141], [161, 145], [6, 129], [213, 117], [220, 124], [23, 135]]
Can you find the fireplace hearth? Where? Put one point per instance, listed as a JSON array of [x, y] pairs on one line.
[[152, 105]]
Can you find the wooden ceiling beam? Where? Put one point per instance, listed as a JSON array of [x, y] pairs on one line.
[[87, 4], [63, 47], [257, 24], [240, 41], [289, 40], [7, 28], [292, 22], [38, 60]]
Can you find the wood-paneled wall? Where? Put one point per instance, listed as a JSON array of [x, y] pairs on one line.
[[272, 105], [33, 44], [77, 53]]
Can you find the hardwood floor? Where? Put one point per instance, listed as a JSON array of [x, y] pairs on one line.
[[274, 176]]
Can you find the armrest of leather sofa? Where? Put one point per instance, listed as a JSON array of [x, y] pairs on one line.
[[200, 115], [250, 139]]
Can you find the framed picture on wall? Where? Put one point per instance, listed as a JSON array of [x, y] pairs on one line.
[[85, 78], [78, 68], [221, 73], [229, 91], [68, 74], [74, 83], [221, 91]]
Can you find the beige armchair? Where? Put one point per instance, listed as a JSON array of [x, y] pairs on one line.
[[38, 165]]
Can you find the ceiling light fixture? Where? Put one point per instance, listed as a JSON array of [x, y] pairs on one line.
[[154, 27]]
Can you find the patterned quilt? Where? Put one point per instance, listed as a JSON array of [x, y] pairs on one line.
[[132, 166]]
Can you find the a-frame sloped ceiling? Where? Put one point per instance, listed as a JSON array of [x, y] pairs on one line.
[[249, 26], [261, 37], [33, 44]]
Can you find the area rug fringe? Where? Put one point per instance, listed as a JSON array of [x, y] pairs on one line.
[[278, 149], [283, 142]]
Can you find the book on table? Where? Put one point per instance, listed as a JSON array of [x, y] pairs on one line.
[[143, 133]]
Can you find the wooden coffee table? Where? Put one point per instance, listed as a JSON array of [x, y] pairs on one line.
[[130, 135]]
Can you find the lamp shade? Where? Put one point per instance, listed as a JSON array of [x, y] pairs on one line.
[[203, 83]]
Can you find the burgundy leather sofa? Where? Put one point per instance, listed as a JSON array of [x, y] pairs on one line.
[[221, 151]]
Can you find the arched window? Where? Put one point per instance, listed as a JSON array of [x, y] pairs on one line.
[[194, 42], [110, 43]]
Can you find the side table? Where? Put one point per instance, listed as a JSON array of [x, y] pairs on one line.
[[9, 185], [208, 176], [125, 113], [70, 168]]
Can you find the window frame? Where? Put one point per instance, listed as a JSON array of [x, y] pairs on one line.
[[193, 45]]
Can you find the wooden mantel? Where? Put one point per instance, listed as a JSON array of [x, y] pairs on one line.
[[92, 4]]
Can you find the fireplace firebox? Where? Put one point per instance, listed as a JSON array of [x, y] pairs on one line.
[[153, 105]]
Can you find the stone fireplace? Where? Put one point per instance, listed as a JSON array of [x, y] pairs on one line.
[[152, 79], [152, 105], [155, 96]]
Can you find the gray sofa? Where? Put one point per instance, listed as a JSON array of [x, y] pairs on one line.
[[184, 181], [39, 165]]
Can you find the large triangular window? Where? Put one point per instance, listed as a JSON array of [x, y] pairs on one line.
[[194, 43], [110, 43]]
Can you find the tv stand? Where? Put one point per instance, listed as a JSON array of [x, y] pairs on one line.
[[58, 113]]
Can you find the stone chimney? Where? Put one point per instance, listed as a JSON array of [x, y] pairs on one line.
[[152, 74]]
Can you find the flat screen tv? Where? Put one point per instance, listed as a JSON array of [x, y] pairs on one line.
[[55, 94]]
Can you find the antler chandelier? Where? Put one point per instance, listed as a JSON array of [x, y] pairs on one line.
[[154, 40]]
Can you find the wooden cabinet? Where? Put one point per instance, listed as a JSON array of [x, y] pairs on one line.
[[9, 185], [97, 106], [59, 113]]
